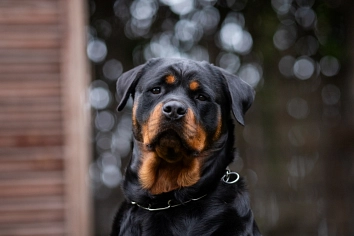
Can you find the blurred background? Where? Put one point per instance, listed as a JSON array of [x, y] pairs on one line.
[[296, 149], [64, 147]]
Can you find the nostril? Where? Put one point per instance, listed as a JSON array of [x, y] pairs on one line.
[[167, 109], [181, 111], [174, 110]]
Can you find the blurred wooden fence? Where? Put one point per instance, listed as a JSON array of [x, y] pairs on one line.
[[43, 121]]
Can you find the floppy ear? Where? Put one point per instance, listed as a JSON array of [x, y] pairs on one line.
[[241, 93], [126, 85]]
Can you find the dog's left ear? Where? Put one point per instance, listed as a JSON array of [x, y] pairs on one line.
[[126, 85], [241, 93]]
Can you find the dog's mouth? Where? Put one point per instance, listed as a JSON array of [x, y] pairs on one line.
[[168, 163], [170, 146]]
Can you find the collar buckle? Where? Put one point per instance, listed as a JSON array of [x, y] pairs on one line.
[[230, 177]]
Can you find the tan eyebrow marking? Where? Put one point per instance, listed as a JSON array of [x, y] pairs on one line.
[[170, 79], [194, 85]]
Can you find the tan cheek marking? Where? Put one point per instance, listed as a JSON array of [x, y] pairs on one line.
[[218, 128], [148, 169], [150, 128], [134, 113], [196, 135], [194, 85], [136, 129], [170, 79]]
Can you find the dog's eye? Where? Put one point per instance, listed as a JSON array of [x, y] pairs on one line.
[[201, 97], [156, 90]]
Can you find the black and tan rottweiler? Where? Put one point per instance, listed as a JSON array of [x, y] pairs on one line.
[[177, 182]]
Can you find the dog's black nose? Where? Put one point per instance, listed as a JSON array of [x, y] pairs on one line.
[[174, 110]]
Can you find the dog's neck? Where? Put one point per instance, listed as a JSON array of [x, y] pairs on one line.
[[220, 155]]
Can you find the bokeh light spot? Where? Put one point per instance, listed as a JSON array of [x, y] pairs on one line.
[[329, 66], [230, 34], [330, 94], [188, 31], [142, 10], [111, 176], [251, 74], [198, 53], [108, 159], [286, 65], [229, 62], [285, 37], [305, 17], [282, 7], [112, 69], [103, 141], [104, 120], [298, 108], [300, 166], [304, 68], [96, 50], [180, 7], [99, 95], [234, 38], [296, 136], [208, 18]]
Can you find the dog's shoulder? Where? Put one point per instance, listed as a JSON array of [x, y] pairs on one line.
[[231, 203]]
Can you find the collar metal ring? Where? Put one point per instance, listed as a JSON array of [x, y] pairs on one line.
[[228, 175]]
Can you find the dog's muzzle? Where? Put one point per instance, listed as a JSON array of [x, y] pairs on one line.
[[174, 110]]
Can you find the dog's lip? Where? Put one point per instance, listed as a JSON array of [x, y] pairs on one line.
[[171, 132]]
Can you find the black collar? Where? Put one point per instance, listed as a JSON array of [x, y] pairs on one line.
[[229, 178]]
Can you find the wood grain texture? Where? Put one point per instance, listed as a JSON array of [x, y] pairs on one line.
[[44, 125]]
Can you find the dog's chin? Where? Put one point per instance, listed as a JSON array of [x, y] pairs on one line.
[[169, 146]]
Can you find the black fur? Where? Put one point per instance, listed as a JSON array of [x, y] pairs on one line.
[[225, 208]]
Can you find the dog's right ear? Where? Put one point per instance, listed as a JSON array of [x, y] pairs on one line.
[[241, 94], [126, 85]]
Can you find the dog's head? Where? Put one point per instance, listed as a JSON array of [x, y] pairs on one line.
[[179, 112]]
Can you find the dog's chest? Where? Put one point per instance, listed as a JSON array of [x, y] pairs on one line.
[[172, 222]]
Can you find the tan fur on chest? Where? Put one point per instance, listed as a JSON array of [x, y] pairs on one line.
[[159, 176]]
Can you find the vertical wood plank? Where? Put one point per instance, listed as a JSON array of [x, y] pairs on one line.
[[76, 79]]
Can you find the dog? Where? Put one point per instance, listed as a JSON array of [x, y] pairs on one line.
[[177, 181]]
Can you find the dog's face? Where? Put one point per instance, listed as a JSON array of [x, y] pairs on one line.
[[177, 110], [178, 114]]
